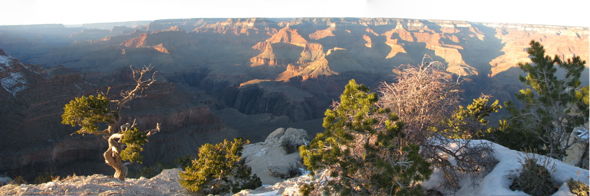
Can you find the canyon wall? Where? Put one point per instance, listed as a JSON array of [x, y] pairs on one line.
[[281, 70]]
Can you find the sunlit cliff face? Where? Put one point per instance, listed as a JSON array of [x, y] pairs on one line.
[[231, 77]]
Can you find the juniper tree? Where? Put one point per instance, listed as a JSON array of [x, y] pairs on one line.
[[551, 106], [125, 142], [219, 169], [362, 150]]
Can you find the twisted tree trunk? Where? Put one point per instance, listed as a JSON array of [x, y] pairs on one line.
[[112, 157]]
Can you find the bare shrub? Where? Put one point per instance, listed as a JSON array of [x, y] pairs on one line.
[[458, 159], [291, 147], [424, 97], [284, 172]]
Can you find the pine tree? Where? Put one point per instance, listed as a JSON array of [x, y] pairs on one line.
[[125, 143], [219, 169], [554, 106], [362, 150], [470, 122]]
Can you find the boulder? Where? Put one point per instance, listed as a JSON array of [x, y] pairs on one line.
[[277, 158], [4, 181], [577, 154]]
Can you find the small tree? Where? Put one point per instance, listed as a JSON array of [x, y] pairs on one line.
[[126, 142], [553, 107], [424, 97], [362, 149], [219, 169]]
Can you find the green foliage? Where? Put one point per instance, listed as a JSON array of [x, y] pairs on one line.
[[553, 107], [134, 139], [43, 178], [184, 161], [87, 112], [219, 170], [506, 135], [583, 105], [19, 180], [362, 149], [534, 178], [470, 122], [306, 189], [577, 187]]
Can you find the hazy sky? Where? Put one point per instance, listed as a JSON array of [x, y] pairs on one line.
[[560, 12]]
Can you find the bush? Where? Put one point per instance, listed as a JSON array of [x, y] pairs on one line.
[[184, 161], [19, 180], [363, 149], [306, 189], [43, 178], [577, 187], [219, 169], [469, 157], [534, 178], [290, 147], [284, 172]]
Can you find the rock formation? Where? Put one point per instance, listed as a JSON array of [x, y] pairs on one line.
[[577, 154], [289, 70], [277, 158]]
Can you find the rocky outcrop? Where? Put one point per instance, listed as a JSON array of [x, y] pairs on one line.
[[577, 154], [89, 34], [4, 181], [170, 37], [277, 158], [565, 42], [165, 183], [238, 26], [287, 68], [311, 52], [276, 54], [319, 34], [121, 30], [288, 35]]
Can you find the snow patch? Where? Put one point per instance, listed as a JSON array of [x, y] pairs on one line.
[[497, 181], [583, 133], [304, 172], [4, 60], [275, 192], [14, 83], [28, 67], [261, 152]]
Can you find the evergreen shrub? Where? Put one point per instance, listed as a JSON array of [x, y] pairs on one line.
[[219, 169]]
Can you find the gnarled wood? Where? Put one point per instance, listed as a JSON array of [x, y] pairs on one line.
[[112, 155]]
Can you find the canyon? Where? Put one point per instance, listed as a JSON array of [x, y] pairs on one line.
[[223, 78]]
